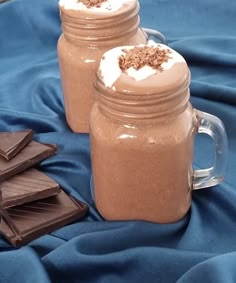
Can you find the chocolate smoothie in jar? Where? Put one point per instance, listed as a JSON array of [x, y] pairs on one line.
[[89, 29], [142, 129]]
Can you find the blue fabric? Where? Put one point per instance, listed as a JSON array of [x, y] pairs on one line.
[[199, 248]]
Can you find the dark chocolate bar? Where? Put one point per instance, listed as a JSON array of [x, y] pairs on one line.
[[26, 187], [28, 157], [11, 143], [38, 218]]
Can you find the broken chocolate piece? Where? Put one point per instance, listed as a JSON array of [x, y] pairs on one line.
[[28, 157], [38, 218], [11, 143], [11, 225], [26, 187]]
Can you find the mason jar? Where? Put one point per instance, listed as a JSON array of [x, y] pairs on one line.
[[142, 143], [87, 34]]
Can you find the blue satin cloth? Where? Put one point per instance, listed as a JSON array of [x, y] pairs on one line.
[[199, 248]]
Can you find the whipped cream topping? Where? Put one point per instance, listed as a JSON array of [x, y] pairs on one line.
[[108, 6], [110, 69]]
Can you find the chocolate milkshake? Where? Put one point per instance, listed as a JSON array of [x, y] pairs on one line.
[[142, 135], [142, 129], [89, 29]]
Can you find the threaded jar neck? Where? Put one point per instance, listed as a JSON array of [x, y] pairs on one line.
[[142, 107], [100, 29]]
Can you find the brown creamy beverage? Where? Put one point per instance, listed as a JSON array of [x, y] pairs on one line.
[[142, 135], [89, 29], [142, 129]]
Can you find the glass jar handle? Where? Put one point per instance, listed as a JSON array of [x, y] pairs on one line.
[[214, 127], [156, 34]]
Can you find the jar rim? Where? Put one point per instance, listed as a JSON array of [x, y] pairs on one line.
[[98, 84]]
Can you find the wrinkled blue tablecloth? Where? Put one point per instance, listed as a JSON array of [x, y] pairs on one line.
[[201, 247]]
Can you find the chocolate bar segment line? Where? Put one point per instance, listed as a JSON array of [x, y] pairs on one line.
[[8, 140], [43, 221], [28, 157], [11, 143], [12, 226], [26, 187], [4, 215]]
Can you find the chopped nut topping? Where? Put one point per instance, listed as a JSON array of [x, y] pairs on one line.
[[139, 57], [92, 3]]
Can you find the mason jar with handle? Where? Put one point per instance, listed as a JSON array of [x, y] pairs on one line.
[[142, 130], [87, 33]]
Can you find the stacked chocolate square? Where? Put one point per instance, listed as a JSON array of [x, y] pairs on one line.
[[31, 203]]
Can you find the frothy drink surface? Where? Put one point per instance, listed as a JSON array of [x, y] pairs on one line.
[[142, 133], [141, 65], [97, 6]]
